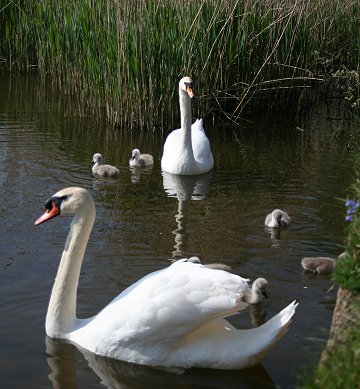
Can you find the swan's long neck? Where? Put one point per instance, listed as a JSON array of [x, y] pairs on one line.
[[61, 315], [186, 120]]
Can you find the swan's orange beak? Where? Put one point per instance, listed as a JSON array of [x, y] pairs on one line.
[[49, 214], [190, 91]]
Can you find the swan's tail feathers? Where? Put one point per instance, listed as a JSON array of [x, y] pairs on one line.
[[280, 323], [198, 125], [267, 335]]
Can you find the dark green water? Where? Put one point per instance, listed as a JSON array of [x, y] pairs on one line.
[[263, 164]]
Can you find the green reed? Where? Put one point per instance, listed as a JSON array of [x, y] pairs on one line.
[[125, 57]]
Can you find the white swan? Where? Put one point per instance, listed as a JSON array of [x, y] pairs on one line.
[[187, 150], [277, 218], [103, 170], [171, 318], [138, 159]]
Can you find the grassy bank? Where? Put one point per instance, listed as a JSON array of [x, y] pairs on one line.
[[125, 57]]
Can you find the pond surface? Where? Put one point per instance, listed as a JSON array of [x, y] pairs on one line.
[[296, 164]]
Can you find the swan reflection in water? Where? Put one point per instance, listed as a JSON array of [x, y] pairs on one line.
[[185, 189], [62, 359]]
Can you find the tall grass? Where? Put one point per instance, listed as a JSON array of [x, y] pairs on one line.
[[124, 57]]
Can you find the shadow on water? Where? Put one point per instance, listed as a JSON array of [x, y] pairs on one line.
[[115, 374]]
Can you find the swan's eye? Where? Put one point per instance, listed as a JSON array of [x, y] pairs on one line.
[[189, 85], [55, 202], [49, 204]]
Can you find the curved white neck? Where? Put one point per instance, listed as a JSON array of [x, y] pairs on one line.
[[186, 120], [61, 314]]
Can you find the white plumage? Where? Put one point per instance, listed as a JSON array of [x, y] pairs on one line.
[[173, 317], [187, 150]]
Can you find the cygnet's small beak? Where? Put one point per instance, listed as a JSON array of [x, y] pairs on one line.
[[264, 294]]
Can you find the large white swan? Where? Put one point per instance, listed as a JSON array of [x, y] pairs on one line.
[[187, 150], [171, 318]]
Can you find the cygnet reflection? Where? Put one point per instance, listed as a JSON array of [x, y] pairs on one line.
[[275, 234], [137, 172], [185, 189]]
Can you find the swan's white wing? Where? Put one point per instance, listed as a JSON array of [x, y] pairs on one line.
[[171, 151], [200, 141], [166, 305], [198, 126], [173, 140], [201, 144], [173, 318]]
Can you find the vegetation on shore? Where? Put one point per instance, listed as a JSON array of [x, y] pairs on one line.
[[124, 57], [339, 364]]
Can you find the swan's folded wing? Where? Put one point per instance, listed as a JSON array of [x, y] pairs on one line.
[[201, 144], [198, 126], [172, 302]]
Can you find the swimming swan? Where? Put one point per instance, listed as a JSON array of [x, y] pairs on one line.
[[173, 317], [103, 170], [138, 159], [187, 150], [277, 218]]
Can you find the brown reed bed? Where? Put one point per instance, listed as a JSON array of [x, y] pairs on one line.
[[124, 58]]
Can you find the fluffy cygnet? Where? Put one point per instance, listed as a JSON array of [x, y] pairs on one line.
[[215, 266], [138, 159], [319, 265], [277, 218], [103, 170], [257, 293]]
